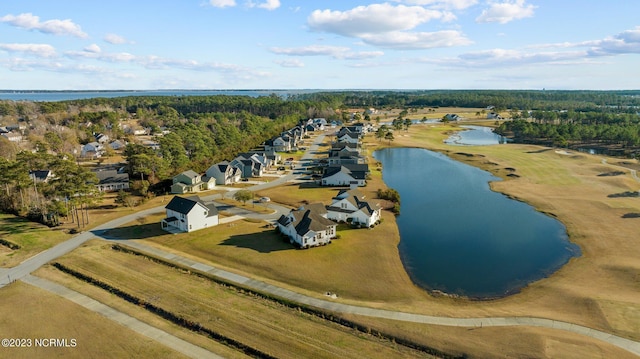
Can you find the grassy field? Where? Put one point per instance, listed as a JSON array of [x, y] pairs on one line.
[[23, 310], [267, 326], [30, 236]]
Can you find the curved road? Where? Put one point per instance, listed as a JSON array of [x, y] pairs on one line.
[[23, 271]]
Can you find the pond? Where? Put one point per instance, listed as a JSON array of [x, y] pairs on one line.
[[461, 238], [475, 136]]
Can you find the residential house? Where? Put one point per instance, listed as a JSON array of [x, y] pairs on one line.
[[190, 181], [41, 175], [345, 158], [101, 138], [250, 165], [307, 226], [92, 150], [189, 214], [352, 175], [351, 206], [451, 117], [494, 115], [117, 145], [112, 180], [347, 136], [224, 173], [12, 136]]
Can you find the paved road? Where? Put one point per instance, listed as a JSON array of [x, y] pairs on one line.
[[132, 323], [332, 305]]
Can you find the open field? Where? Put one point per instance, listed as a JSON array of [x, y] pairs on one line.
[[261, 324], [32, 238], [23, 310]]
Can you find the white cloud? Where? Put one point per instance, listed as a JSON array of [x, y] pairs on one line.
[[102, 56], [266, 4], [442, 4], [417, 40], [29, 21], [222, 3], [388, 26], [39, 50], [93, 48], [626, 42], [290, 63], [506, 12], [312, 50], [337, 52], [372, 19], [116, 39]]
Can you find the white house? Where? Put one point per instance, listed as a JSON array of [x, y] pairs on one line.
[[111, 180], [92, 150], [189, 214], [12, 136], [348, 137], [307, 226], [224, 173], [345, 175], [190, 181], [351, 206]]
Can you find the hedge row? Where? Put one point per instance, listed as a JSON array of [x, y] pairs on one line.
[[174, 318], [294, 305], [8, 244]]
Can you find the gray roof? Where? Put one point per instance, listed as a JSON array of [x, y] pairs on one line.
[[111, 176], [185, 205], [190, 174], [309, 218]]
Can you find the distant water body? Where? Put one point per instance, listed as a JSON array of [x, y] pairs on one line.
[[53, 96]]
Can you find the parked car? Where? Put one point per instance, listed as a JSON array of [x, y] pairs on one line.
[[265, 199]]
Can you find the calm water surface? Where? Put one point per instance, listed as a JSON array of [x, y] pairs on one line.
[[475, 136], [459, 237]]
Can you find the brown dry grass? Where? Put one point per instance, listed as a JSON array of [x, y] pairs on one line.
[[23, 310], [262, 324]]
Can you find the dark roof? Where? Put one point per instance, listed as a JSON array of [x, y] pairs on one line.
[[170, 219], [190, 174], [40, 175], [181, 205], [309, 218], [111, 176], [283, 220], [184, 205]]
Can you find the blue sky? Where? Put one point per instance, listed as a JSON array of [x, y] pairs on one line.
[[309, 44]]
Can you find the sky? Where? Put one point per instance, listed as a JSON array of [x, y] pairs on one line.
[[311, 44]]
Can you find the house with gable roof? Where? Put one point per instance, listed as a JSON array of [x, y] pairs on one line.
[[352, 206], [111, 180], [189, 214], [308, 226], [224, 173], [190, 181], [352, 175]]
